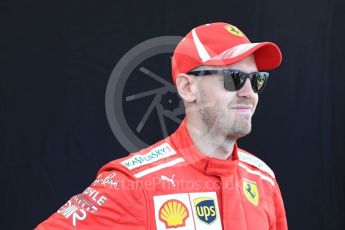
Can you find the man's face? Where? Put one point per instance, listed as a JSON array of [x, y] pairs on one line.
[[224, 112]]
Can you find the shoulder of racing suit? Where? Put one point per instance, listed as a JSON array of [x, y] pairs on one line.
[[251, 163], [145, 161]]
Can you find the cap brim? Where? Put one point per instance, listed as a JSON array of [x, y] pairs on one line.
[[267, 55]]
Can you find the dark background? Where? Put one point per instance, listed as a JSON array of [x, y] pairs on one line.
[[57, 56]]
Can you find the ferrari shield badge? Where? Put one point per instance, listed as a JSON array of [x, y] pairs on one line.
[[234, 30], [251, 192]]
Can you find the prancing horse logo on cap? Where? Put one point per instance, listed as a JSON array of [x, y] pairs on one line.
[[234, 30]]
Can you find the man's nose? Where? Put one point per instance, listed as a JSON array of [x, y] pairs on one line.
[[246, 90]]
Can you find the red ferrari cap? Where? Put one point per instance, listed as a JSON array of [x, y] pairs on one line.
[[220, 44]]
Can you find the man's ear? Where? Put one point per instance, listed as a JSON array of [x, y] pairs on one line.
[[185, 87]]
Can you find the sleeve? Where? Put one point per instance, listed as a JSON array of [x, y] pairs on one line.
[[113, 201], [281, 222]]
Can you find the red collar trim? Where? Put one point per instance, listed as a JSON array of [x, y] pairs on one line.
[[211, 166]]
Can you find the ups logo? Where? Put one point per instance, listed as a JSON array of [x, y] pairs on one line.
[[205, 209]]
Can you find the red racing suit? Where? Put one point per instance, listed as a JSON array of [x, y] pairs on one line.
[[171, 185]]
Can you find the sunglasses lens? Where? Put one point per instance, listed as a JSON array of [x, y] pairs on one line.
[[259, 81], [229, 83], [240, 80], [234, 81]]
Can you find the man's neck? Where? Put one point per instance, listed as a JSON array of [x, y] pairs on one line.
[[209, 143]]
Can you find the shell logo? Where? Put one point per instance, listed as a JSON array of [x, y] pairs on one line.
[[173, 214]]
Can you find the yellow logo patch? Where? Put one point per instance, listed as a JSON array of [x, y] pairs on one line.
[[173, 214], [251, 192], [205, 209], [234, 30]]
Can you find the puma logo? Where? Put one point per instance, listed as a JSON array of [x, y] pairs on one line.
[[169, 180]]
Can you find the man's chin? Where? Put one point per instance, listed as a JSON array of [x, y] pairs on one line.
[[238, 132]]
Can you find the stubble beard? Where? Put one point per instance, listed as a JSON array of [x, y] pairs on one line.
[[237, 129], [216, 122]]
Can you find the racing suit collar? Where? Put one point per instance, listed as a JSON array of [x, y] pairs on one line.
[[208, 165]]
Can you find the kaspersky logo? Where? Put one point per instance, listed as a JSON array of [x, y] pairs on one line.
[[173, 214], [160, 152], [205, 209]]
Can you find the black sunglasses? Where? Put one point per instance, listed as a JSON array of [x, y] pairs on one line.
[[235, 79]]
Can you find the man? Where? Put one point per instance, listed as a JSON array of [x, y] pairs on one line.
[[197, 178]]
